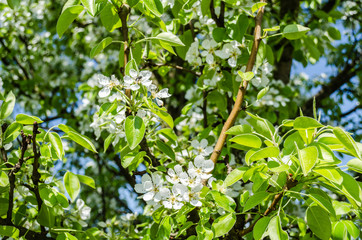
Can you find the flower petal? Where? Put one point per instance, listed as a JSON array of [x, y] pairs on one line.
[[104, 92]]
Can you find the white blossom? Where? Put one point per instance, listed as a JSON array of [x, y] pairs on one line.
[[173, 198], [157, 96], [174, 174], [135, 79], [201, 167], [193, 196], [229, 51], [209, 46], [201, 148], [107, 83], [193, 54], [191, 179], [151, 187]]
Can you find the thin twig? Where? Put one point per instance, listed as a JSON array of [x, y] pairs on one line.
[[242, 89]]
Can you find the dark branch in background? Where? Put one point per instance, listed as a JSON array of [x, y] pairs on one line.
[[36, 175], [218, 20], [242, 89], [102, 193], [351, 111], [204, 107], [336, 82], [24, 145]]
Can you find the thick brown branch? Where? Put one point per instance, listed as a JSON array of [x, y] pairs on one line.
[[144, 147], [204, 107], [218, 20], [27, 233], [242, 89]]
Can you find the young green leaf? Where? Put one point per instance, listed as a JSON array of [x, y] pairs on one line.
[[260, 229], [324, 203], [319, 222], [109, 18], [12, 132], [155, 6], [67, 17], [247, 139], [262, 93], [9, 231], [254, 200], [239, 129], [347, 142], [256, 6], [223, 224], [87, 181], [223, 201], [90, 6], [135, 131], [246, 76], [234, 176], [304, 123], [169, 38], [263, 153], [275, 230], [26, 119], [166, 149], [46, 216], [82, 140], [164, 116], [294, 31], [100, 46], [355, 164], [71, 184], [57, 144], [8, 106], [308, 158]]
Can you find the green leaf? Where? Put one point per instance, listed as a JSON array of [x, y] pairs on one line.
[[164, 230], [303, 123], [87, 181], [324, 203], [155, 6], [347, 142], [355, 164], [334, 33], [4, 179], [308, 158], [46, 217], [135, 131], [262, 93], [254, 200], [109, 18], [90, 6], [294, 31], [9, 231], [26, 119], [108, 141], [260, 228], [263, 153], [82, 140], [239, 29], [66, 236], [72, 185], [169, 38], [8, 106], [164, 116], [246, 139], [166, 149], [234, 176], [256, 6], [57, 144], [275, 230], [223, 201], [100, 46], [246, 76], [67, 17], [330, 174], [219, 34], [12, 132], [223, 224], [128, 160], [319, 222], [239, 129]]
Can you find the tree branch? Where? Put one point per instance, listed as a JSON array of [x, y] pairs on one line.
[[27, 233], [242, 89]]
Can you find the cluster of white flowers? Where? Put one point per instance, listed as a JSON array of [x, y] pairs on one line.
[[180, 186], [135, 81]]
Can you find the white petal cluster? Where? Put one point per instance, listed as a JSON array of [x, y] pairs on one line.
[[135, 79], [181, 186], [157, 96], [107, 84], [201, 148], [193, 54], [229, 51]]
